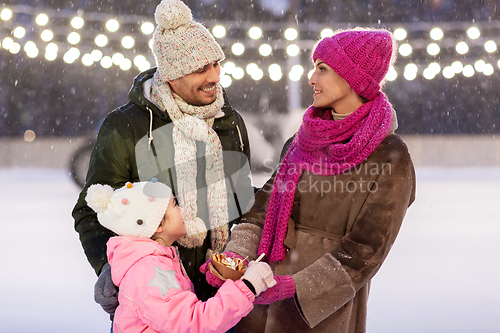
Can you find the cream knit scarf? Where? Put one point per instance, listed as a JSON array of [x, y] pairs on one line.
[[191, 124]]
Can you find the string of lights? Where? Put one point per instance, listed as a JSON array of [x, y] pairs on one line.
[[88, 39]]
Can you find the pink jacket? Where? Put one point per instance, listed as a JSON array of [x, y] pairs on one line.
[[156, 295]]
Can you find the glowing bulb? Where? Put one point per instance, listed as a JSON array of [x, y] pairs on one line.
[[219, 31], [47, 35], [326, 33], [42, 19], [436, 34], [275, 72], [128, 42], [147, 28], [255, 32], [291, 34], [74, 38], [490, 46], [77, 22], [112, 25], [265, 50], [400, 34], [101, 40], [19, 32], [462, 48], [433, 49], [6, 14], [238, 49], [405, 50], [292, 50], [473, 33]]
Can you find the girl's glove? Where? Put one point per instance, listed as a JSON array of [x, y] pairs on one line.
[[213, 280], [260, 275], [284, 288]]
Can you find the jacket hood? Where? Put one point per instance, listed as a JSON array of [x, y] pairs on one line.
[[123, 252], [136, 96]]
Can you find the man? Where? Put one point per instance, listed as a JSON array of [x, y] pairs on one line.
[[179, 128]]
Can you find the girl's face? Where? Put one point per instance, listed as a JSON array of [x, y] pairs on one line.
[[173, 221], [331, 91]]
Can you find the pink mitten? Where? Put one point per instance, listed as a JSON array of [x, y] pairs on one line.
[[284, 288], [212, 279]]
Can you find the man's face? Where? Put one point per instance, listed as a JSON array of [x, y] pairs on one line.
[[198, 88]]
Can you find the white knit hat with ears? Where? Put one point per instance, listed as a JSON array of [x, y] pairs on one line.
[[136, 209], [181, 46]]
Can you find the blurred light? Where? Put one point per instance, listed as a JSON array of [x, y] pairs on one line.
[[296, 72], [448, 72], [31, 49], [229, 67], [431, 71], [462, 48], [29, 136], [106, 62], [6, 14], [19, 32], [238, 73], [428, 74], [87, 59], [96, 55], [292, 50], [77, 22], [47, 35], [117, 58], [400, 34], [479, 65], [15, 48], [326, 33], [71, 55], [310, 73], [219, 31], [468, 71], [112, 25], [391, 74], [291, 34], [147, 28], [473, 33], [265, 50], [101, 40], [128, 42], [490, 46], [74, 38], [457, 67], [436, 34], [433, 49], [238, 49], [275, 72], [254, 71], [42, 19], [7, 43], [410, 72], [142, 63], [255, 32], [488, 69], [498, 63], [405, 50], [225, 81], [125, 64], [51, 51]]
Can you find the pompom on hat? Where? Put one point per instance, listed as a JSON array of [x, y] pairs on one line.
[[181, 46], [360, 56], [136, 209]]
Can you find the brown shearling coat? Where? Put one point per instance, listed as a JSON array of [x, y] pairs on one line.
[[345, 226]]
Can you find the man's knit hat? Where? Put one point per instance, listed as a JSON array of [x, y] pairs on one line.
[[360, 56], [136, 209], [180, 45]]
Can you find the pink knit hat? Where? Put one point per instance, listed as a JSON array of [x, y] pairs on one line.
[[360, 56]]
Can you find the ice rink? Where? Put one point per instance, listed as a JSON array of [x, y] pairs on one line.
[[441, 275]]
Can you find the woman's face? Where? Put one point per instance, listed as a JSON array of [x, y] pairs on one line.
[[330, 89]]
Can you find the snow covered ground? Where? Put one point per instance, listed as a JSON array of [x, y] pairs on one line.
[[440, 276]]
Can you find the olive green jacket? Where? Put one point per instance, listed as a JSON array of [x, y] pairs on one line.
[[123, 153]]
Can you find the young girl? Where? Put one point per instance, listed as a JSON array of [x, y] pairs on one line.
[[155, 293]]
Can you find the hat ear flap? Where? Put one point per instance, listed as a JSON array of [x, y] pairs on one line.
[[98, 197]]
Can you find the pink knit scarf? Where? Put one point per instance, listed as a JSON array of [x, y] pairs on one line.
[[323, 147]]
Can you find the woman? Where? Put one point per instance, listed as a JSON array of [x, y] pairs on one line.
[[328, 217]]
